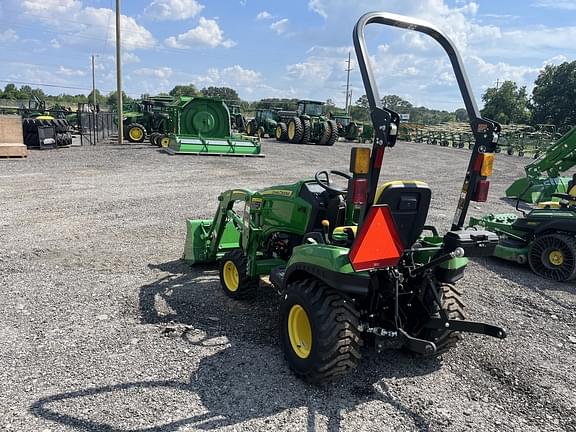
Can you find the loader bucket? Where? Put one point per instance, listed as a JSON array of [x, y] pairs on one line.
[[235, 145], [533, 191], [197, 245]]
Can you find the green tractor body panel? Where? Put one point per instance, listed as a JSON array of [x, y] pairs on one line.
[[543, 175], [202, 126]]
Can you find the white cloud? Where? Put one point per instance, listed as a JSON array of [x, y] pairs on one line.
[[280, 26], [160, 73], [162, 10], [8, 35], [264, 15], [555, 4], [71, 72], [87, 24], [319, 7], [207, 34], [230, 76]]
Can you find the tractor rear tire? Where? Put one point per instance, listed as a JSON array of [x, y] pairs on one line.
[[326, 134], [319, 331], [281, 132], [152, 138], [135, 132], [454, 307], [553, 256], [295, 130], [307, 127], [234, 278], [333, 133]]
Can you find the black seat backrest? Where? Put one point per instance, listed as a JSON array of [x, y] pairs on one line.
[[409, 202]]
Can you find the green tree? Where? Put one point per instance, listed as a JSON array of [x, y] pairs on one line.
[[283, 103], [554, 95], [396, 103], [225, 93], [184, 90], [506, 104], [111, 98], [359, 111], [10, 91], [461, 115], [99, 97]]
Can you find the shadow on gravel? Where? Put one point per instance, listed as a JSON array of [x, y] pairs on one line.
[[247, 377]]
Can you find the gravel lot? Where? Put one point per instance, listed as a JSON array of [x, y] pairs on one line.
[[104, 329]]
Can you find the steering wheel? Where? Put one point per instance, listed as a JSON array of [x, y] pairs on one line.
[[325, 184]]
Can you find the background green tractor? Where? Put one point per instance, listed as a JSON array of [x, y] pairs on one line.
[[264, 123], [238, 121], [310, 125], [354, 263], [347, 129]]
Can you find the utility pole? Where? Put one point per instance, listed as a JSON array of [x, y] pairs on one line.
[[93, 83], [119, 75], [497, 83], [348, 69]]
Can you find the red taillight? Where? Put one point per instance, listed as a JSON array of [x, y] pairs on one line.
[[359, 191], [481, 191], [377, 244]]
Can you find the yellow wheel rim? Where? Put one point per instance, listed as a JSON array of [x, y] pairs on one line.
[[299, 331], [165, 141], [135, 133], [278, 132], [231, 277], [556, 257], [291, 130]]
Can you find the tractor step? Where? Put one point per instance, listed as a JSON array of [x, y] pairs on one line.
[[277, 277]]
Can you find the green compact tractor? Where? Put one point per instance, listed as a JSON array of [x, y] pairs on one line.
[[308, 126], [355, 264], [202, 126]]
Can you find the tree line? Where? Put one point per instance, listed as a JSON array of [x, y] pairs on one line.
[[551, 102]]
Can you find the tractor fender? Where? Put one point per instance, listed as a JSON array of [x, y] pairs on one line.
[[567, 226], [348, 283]]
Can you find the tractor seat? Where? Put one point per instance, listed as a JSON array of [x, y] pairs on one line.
[[409, 202]]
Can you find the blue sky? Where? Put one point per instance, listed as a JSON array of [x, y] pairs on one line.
[[280, 48]]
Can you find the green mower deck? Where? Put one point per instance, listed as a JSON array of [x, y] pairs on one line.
[[236, 145]]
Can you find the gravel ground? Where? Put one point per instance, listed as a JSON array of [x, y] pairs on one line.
[[104, 329]]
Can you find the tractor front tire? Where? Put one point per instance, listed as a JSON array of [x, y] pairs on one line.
[[553, 256], [319, 331], [281, 132], [163, 140], [135, 132], [234, 278], [261, 132], [295, 130], [152, 138]]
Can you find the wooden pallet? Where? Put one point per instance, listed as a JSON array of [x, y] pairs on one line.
[[13, 150]]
